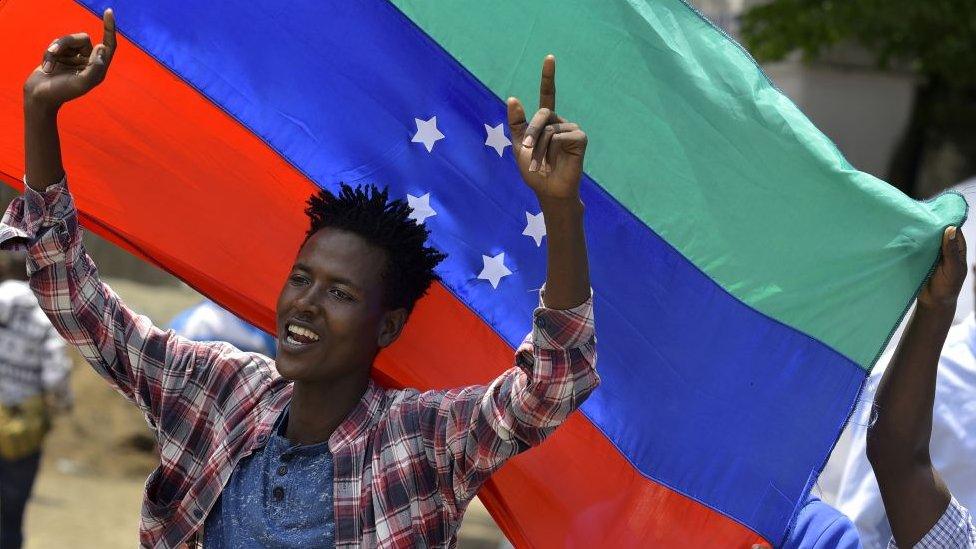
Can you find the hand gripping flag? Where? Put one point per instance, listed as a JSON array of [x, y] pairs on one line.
[[746, 275]]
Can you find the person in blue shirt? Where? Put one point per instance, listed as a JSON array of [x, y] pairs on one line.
[[820, 526], [207, 321]]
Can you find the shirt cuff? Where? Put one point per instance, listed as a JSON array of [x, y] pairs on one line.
[[954, 530], [28, 219], [563, 328]]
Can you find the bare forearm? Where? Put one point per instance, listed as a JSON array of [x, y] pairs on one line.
[[906, 393], [898, 442], [42, 145], [568, 271]]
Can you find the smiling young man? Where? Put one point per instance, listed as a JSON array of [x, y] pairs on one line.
[[308, 451]]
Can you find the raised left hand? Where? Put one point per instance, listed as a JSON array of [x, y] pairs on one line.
[[71, 67], [548, 149]]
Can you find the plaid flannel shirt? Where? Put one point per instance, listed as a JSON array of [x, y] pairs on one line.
[[407, 463], [954, 530]]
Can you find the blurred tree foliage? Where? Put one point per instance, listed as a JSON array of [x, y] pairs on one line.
[[936, 39]]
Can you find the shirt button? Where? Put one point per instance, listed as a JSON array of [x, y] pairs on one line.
[[262, 439], [278, 493], [282, 470], [541, 322], [198, 513]]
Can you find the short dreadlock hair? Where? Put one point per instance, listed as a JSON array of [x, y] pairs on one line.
[[368, 212]]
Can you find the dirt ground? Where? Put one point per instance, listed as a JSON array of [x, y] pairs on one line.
[[96, 459]]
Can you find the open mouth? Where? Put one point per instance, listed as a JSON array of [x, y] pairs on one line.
[[299, 336]]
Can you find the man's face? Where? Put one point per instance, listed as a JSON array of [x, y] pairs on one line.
[[331, 317]]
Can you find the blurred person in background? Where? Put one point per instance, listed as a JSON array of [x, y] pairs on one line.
[[819, 526], [953, 439], [207, 321], [34, 370]]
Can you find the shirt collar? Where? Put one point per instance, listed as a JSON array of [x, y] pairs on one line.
[[366, 413], [280, 424]]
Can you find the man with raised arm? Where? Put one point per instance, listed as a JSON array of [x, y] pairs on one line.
[[307, 451], [920, 507]]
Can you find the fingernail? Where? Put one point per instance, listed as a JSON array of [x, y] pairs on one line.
[[952, 233], [528, 142], [534, 165], [54, 47], [47, 66]]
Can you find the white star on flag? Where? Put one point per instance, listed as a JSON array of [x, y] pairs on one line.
[[496, 138], [421, 207], [427, 133], [494, 269], [535, 226]]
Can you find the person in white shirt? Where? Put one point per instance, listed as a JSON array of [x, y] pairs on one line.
[[34, 370]]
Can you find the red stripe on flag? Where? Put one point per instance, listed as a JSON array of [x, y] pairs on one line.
[[160, 171], [577, 490]]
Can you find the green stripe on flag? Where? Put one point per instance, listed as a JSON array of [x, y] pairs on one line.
[[687, 133]]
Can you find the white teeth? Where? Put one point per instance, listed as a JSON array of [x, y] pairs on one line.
[[305, 332]]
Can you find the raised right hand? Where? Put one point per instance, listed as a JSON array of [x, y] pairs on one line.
[[71, 67]]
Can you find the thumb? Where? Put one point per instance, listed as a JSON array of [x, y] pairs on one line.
[[952, 260], [961, 242], [953, 245], [516, 119]]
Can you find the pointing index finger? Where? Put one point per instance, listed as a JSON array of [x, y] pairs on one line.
[[108, 20], [547, 86]]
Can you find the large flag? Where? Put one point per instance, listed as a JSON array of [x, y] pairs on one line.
[[746, 275]]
